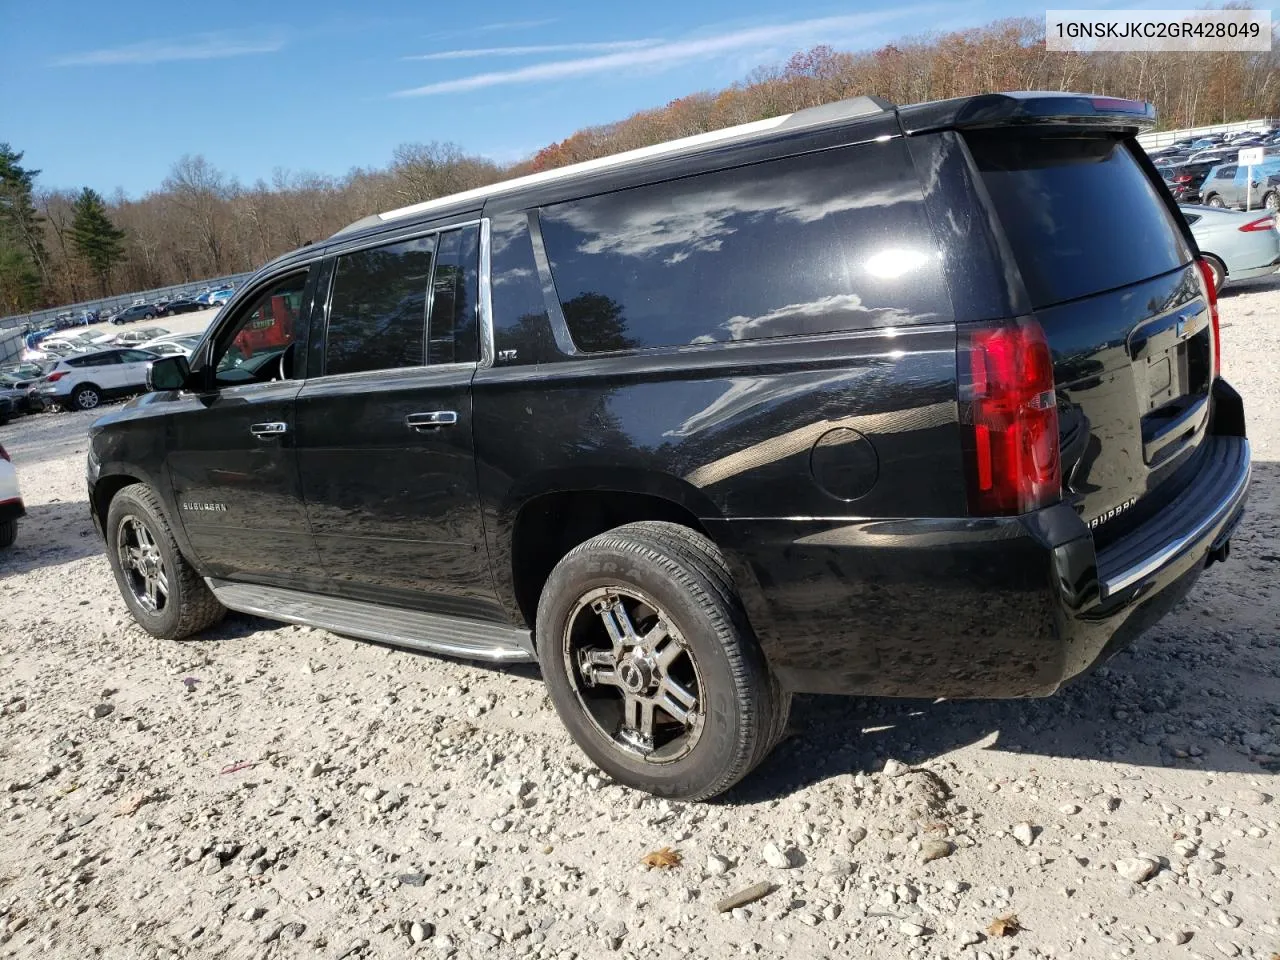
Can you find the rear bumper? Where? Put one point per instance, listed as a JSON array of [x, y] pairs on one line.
[[1006, 607]]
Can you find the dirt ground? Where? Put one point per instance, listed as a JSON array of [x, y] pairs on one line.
[[268, 791]]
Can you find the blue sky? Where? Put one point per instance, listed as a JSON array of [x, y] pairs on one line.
[[109, 95]]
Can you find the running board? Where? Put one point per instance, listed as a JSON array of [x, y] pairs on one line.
[[414, 629]]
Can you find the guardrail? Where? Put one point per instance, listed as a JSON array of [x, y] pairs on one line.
[[40, 318], [1166, 137]]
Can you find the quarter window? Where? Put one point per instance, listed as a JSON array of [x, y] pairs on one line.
[[830, 241], [453, 329], [377, 314]]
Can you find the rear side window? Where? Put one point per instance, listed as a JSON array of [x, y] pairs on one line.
[[1079, 213], [825, 242], [452, 330], [377, 314]]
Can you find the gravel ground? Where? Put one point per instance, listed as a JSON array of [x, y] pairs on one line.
[[270, 791]]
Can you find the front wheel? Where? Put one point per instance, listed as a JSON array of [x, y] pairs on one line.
[[8, 533], [652, 666], [163, 591], [1215, 201]]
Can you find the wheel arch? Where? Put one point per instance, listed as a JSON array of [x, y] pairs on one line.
[[551, 518], [114, 477]]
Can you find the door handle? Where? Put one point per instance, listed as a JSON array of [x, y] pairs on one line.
[[264, 430], [431, 421]]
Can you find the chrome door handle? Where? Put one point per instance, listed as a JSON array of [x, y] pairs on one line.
[[265, 430], [430, 421]]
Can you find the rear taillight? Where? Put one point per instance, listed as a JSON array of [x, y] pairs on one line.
[[1184, 178], [1262, 223], [1012, 420], [1211, 295], [56, 376]]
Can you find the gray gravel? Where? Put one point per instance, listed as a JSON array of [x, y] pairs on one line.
[[383, 804]]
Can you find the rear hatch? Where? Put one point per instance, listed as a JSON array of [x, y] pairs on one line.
[[1115, 287]]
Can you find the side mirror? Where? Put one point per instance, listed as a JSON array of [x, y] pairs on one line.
[[168, 373]]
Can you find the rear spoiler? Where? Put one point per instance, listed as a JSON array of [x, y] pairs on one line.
[[1028, 108]]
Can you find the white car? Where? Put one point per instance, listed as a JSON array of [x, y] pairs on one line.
[[11, 507], [83, 382], [172, 345], [139, 336]]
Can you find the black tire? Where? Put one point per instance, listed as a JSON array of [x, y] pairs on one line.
[[1271, 202], [683, 578], [8, 533], [189, 605], [698, 549], [1219, 270], [1215, 201], [85, 397]]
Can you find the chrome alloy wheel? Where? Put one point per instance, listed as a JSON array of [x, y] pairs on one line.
[[143, 566], [634, 675]]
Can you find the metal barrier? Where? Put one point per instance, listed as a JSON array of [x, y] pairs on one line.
[[41, 318], [1165, 137]]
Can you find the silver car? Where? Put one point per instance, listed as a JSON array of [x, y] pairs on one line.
[[1236, 245]]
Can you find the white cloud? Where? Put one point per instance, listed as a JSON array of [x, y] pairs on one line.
[[513, 25], [202, 47], [665, 55], [535, 48]]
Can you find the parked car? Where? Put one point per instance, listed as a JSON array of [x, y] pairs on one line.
[[22, 374], [84, 382], [133, 338], [11, 508], [138, 311], [172, 347], [859, 400], [1184, 180], [1237, 246], [1228, 185], [182, 305], [16, 400], [218, 297]]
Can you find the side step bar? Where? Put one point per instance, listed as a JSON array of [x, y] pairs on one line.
[[414, 629]]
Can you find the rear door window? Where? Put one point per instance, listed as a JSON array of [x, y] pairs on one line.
[[1079, 212], [830, 241]]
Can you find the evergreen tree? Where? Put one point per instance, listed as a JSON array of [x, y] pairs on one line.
[[23, 263], [98, 241]]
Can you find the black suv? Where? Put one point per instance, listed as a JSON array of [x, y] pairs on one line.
[[917, 401]]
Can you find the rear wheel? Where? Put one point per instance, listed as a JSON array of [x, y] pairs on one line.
[[1219, 270], [85, 397], [1271, 202], [163, 591], [8, 533], [652, 666]]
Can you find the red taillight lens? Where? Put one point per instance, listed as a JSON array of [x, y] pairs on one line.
[[1211, 295], [56, 376], [1015, 464], [1184, 178], [1264, 223]]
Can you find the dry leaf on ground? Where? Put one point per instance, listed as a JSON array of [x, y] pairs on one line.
[[1004, 926], [663, 859]]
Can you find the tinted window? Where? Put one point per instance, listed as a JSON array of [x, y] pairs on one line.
[[1225, 173], [452, 331], [136, 356], [1080, 215], [377, 314], [94, 360], [254, 346], [519, 310], [831, 241]]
